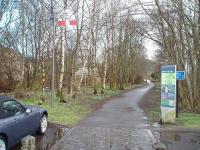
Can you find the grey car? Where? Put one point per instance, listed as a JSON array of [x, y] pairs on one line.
[[18, 121]]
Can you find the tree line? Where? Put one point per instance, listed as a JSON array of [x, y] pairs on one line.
[[106, 48], [175, 26]]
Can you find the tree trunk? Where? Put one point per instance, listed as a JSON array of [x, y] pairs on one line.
[[62, 57]]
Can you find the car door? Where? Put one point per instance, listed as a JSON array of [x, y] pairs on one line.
[[20, 120]]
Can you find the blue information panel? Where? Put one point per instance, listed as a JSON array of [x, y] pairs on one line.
[[180, 75], [168, 94]]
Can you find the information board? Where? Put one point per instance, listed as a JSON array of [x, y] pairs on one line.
[[168, 94]]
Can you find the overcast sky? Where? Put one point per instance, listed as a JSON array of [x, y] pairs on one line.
[[150, 46]]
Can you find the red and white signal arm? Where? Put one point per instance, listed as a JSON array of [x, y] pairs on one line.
[[63, 23]]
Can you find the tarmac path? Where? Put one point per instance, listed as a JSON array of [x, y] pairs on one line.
[[119, 125]]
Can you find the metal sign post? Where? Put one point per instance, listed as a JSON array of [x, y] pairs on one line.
[[180, 75], [177, 98], [61, 24], [53, 57]]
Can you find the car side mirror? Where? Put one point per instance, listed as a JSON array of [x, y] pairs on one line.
[[28, 111]]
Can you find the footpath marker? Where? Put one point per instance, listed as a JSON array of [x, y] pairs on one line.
[[180, 75], [168, 94]]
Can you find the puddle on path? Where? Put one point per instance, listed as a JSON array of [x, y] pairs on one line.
[[45, 142], [180, 140]]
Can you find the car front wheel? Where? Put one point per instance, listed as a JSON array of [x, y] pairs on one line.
[[3, 143], [43, 124]]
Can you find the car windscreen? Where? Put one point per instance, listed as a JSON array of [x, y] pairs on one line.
[[13, 108]]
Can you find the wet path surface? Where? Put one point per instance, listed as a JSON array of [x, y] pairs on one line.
[[45, 142], [119, 125], [181, 140]]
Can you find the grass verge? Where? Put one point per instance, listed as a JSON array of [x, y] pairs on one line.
[[75, 109], [62, 113], [151, 105]]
